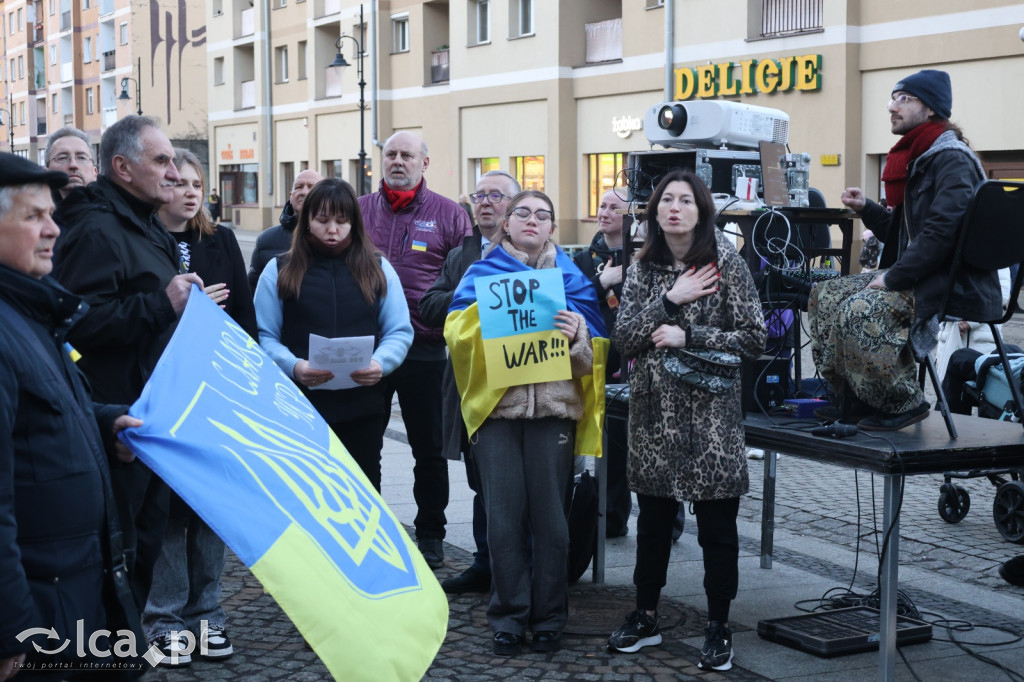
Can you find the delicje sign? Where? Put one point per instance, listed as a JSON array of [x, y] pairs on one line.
[[748, 77]]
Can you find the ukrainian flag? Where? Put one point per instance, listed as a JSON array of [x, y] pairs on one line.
[[235, 438], [462, 332]]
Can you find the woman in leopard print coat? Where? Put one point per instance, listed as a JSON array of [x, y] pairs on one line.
[[689, 288]]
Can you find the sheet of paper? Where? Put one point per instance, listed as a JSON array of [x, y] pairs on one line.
[[342, 356], [517, 324]]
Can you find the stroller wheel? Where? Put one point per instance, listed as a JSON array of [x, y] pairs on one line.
[[954, 502], [1008, 511]]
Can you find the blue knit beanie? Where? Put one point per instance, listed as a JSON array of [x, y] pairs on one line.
[[932, 88]]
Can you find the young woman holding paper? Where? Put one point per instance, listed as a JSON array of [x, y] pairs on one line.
[[526, 435], [332, 283]]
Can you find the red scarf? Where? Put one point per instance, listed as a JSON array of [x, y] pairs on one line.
[[400, 198], [902, 156]]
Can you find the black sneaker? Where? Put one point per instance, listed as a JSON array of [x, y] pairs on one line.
[[214, 644], [716, 654], [470, 580], [895, 422], [174, 650], [432, 550], [507, 644], [638, 631]]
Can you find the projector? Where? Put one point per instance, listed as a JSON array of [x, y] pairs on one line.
[[714, 124]]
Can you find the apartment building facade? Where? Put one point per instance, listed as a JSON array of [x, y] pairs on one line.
[[67, 62], [556, 92]]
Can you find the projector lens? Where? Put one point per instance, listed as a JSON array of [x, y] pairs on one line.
[[672, 118]]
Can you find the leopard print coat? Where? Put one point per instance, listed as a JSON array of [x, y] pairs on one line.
[[686, 443]]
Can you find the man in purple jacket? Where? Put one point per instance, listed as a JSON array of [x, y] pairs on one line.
[[415, 229]]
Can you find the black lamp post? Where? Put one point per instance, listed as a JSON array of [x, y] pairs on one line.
[[339, 61], [138, 89]]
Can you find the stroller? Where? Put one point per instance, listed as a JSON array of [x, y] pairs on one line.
[[991, 393]]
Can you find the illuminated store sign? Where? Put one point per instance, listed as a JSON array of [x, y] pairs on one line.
[[748, 77]]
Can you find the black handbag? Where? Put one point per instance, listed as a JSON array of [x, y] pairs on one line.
[[710, 370]]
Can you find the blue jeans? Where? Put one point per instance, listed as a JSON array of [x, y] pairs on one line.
[[186, 578]]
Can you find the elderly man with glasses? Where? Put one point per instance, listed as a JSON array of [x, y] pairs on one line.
[[490, 199], [866, 329]]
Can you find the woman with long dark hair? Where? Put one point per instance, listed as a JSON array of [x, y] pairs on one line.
[[525, 436], [689, 289], [333, 283], [185, 595]]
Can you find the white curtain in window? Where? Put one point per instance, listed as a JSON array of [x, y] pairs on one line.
[[604, 40]]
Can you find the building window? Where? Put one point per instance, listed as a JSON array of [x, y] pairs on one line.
[[479, 22], [53, 103], [10, 24], [400, 33], [239, 184], [651, 4], [21, 19], [53, 7], [87, 49], [520, 20], [21, 108], [53, 54], [124, 33], [602, 173], [280, 3], [281, 64], [776, 18], [287, 179], [21, 66], [484, 165], [529, 171], [332, 168], [90, 103], [303, 57], [218, 70]]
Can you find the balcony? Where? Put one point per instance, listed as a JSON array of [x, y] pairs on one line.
[[332, 82], [106, 7], [109, 63], [439, 66], [41, 127], [109, 116], [39, 79], [67, 72], [604, 41], [248, 25], [789, 17], [65, 20]]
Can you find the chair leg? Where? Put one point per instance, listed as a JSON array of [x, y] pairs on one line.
[[940, 396]]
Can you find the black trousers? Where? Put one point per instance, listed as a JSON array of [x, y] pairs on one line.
[[418, 384], [143, 507], [364, 439], [717, 536], [620, 503]]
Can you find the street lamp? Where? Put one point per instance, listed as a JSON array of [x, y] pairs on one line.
[[339, 61], [138, 89]]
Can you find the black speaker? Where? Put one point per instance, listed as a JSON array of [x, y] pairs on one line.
[[765, 381]]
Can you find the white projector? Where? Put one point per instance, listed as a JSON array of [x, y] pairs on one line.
[[714, 124]]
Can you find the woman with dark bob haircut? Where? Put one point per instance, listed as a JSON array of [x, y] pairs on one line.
[[332, 283], [688, 289]]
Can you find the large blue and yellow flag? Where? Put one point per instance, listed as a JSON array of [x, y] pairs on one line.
[[235, 438], [469, 364]]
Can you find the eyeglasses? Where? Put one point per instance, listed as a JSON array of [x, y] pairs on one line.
[[542, 215], [900, 100], [492, 197], [65, 158]]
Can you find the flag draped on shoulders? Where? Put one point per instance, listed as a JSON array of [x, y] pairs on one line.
[[241, 445], [462, 333]]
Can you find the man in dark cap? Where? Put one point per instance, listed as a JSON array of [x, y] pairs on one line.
[[867, 329], [60, 543], [118, 257]]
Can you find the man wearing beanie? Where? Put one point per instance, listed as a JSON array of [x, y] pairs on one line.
[[866, 329]]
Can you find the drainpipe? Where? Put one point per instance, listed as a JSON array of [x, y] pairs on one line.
[[670, 14], [373, 76], [268, 101]]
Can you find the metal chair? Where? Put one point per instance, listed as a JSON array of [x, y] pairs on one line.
[[991, 237]]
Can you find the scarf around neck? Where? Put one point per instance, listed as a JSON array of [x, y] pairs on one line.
[[902, 156], [400, 198]]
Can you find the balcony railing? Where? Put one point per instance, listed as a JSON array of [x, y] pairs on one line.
[[109, 63], [109, 116], [327, 7], [67, 71], [65, 20], [41, 127], [248, 25], [439, 66], [332, 82], [604, 40], [69, 119], [106, 7], [786, 17]]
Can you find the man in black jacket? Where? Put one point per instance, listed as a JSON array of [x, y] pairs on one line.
[[120, 259], [867, 329], [59, 535], [493, 193], [278, 239]]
